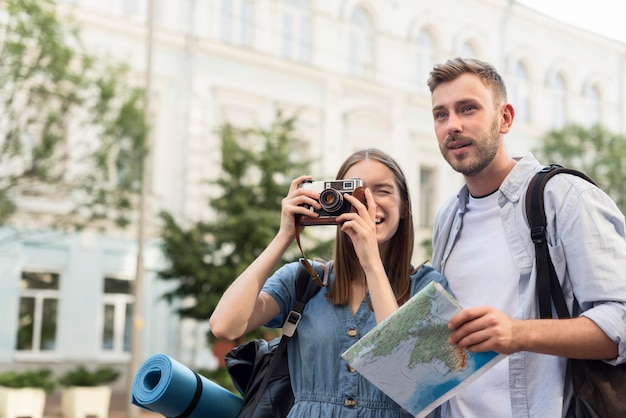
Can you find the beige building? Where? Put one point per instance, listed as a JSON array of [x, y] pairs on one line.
[[355, 71]]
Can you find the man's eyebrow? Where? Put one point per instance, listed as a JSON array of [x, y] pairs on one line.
[[458, 103]]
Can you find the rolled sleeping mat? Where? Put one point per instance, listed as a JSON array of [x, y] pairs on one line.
[[166, 386]]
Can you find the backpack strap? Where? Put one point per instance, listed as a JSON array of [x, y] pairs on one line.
[[306, 288], [548, 286]]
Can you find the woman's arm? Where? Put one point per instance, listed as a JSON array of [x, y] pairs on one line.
[[243, 307]]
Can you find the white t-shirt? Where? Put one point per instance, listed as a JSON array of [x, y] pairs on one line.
[[480, 271]]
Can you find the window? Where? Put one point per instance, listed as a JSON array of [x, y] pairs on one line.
[[130, 7], [361, 47], [237, 22], [427, 197], [557, 83], [519, 93], [247, 22], [296, 31], [37, 317], [467, 50], [425, 59], [117, 314], [227, 21], [157, 12], [594, 104]]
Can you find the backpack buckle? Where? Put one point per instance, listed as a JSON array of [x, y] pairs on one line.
[[538, 234], [290, 325]]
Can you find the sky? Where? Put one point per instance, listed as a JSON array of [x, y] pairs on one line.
[[605, 17]]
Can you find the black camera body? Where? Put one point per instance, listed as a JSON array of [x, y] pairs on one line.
[[331, 199]]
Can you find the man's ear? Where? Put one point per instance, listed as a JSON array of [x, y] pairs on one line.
[[507, 116]]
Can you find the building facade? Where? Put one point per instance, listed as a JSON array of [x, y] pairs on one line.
[[354, 71]]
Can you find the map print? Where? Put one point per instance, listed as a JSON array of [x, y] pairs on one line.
[[408, 357]]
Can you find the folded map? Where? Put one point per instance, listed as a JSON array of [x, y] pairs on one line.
[[408, 356]]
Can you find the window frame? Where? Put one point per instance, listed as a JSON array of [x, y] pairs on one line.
[[122, 318], [39, 296]]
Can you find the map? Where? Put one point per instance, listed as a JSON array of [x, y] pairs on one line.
[[408, 357]]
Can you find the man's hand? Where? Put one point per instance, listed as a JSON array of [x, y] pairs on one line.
[[484, 328]]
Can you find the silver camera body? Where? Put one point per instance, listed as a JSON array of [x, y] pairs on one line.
[[331, 199]]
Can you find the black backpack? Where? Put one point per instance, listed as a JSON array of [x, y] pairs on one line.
[[259, 368], [599, 388]]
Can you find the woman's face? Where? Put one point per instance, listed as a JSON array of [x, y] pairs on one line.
[[382, 183]]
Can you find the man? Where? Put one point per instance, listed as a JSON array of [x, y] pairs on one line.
[[481, 242]]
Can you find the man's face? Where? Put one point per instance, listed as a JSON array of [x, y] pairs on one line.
[[467, 123]]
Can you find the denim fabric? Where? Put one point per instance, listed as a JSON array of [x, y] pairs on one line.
[[322, 382]]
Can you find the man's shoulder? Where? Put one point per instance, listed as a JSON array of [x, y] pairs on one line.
[[451, 204]]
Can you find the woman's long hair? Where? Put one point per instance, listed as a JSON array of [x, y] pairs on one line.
[[399, 250]]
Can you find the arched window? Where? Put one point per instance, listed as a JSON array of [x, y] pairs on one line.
[[297, 30], [424, 59], [559, 100], [247, 22], [237, 22], [130, 7], [427, 193], [361, 46], [520, 97], [594, 104], [467, 50]]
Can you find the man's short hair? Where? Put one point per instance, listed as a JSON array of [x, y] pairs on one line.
[[455, 67]]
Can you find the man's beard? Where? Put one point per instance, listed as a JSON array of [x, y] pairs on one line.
[[486, 147]]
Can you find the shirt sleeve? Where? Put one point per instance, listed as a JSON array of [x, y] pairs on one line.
[[281, 286], [589, 246]]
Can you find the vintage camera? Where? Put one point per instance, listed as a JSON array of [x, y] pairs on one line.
[[331, 199]]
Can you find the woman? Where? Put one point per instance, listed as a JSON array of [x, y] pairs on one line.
[[371, 273]]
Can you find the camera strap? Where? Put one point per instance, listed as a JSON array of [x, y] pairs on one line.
[[307, 265]]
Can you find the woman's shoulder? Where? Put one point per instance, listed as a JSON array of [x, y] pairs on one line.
[[423, 275]]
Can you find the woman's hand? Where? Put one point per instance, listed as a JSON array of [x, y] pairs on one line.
[[243, 307], [296, 203], [360, 226]]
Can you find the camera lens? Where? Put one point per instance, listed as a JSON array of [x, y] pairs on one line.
[[331, 200]]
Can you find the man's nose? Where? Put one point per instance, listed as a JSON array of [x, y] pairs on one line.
[[454, 124]]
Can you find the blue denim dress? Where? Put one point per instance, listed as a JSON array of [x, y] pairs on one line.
[[324, 385]]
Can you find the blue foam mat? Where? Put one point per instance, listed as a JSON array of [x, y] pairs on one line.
[[166, 386]]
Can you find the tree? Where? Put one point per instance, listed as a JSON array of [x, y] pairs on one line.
[[257, 167], [595, 151], [73, 128]]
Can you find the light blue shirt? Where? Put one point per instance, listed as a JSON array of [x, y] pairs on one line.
[[323, 384], [586, 236]]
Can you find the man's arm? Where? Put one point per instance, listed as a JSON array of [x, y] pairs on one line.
[[486, 328]]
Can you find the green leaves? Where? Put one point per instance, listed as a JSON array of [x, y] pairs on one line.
[[73, 125], [81, 376], [41, 378], [595, 151], [205, 257]]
